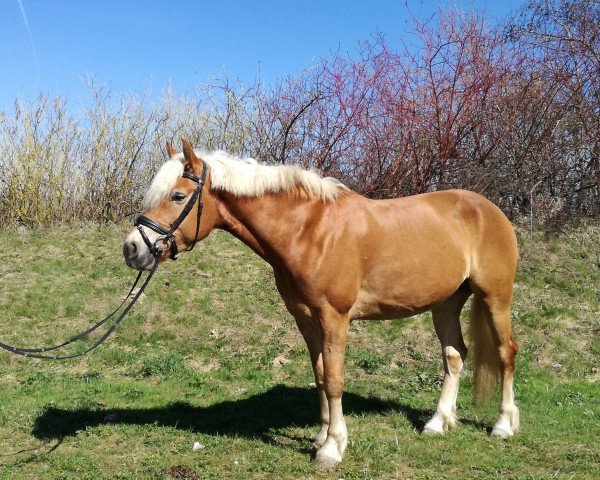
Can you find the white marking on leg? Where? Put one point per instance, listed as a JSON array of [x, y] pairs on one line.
[[445, 415], [508, 421], [332, 450]]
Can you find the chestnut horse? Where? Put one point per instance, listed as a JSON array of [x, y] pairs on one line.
[[338, 256]]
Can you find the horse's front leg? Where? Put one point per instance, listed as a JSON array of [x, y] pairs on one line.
[[334, 332], [311, 332]]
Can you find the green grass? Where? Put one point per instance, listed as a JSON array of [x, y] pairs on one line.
[[195, 362]]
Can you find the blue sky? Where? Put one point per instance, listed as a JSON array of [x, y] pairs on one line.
[[144, 45]]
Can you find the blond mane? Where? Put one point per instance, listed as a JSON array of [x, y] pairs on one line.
[[243, 177]]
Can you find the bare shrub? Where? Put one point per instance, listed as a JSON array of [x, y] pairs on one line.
[[58, 167], [495, 110], [491, 110]]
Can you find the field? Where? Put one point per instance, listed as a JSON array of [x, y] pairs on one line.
[[210, 355]]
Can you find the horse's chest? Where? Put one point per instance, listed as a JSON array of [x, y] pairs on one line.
[[292, 295]]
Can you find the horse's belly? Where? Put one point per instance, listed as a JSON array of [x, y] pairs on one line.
[[403, 299], [377, 309]]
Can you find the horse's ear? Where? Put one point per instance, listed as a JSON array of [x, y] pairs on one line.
[[171, 150], [191, 160]]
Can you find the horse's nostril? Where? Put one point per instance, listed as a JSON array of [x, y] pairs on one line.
[[129, 249]]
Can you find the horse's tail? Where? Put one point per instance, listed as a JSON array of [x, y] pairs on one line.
[[487, 361]]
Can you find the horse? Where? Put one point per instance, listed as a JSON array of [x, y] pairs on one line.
[[338, 256]]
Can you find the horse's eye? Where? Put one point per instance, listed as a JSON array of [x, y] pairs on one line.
[[178, 197]]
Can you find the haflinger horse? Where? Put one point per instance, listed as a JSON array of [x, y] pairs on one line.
[[338, 256]]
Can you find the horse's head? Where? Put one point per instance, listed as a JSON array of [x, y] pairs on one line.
[[179, 207]]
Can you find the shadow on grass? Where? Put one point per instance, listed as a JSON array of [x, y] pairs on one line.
[[255, 416], [258, 416]]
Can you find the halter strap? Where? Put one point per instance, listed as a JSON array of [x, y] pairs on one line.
[[41, 352], [167, 236]]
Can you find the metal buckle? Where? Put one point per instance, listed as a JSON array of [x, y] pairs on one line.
[[161, 238], [167, 243]]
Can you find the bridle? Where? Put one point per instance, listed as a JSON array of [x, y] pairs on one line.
[[156, 250], [167, 237]]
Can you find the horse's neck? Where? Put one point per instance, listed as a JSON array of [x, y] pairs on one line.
[[267, 223]]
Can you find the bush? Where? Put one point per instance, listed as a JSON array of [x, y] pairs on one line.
[[512, 112]]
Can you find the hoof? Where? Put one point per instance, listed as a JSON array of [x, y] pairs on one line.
[[327, 460], [507, 425], [432, 431], [438, 425], [502, 431]]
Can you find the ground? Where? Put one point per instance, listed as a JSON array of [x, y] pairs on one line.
[[210, 355]]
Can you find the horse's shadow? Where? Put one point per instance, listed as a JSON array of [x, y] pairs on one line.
[[258, 416]]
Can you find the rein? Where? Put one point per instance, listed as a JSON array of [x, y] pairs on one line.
[[166, 237], [40, 352]]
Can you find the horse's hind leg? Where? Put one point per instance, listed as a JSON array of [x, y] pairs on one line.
[[446, 319], [491, 279], [497, 313]]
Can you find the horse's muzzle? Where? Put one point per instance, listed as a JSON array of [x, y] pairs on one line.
[[136, 253]]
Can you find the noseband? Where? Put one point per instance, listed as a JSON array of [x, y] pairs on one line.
[[167, 236]]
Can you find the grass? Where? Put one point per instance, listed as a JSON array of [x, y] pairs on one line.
[[210, 355]]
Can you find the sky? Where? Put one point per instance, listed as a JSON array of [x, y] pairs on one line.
[[142, 46]]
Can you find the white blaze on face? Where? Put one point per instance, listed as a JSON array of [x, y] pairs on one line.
[[136, 253], [163, 182]]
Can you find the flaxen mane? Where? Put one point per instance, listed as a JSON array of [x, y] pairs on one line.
[[243, 177]]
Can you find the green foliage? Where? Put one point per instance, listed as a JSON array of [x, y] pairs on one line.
[[370, 361], [167, 365]]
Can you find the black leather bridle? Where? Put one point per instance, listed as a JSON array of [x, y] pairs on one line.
[[166, 236], [156, 250]]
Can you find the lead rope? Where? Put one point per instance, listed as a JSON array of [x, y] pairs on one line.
[[39, 352], [155, 250]]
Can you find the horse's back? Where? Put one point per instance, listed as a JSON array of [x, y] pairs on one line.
[[459, 216], [417, 251]]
